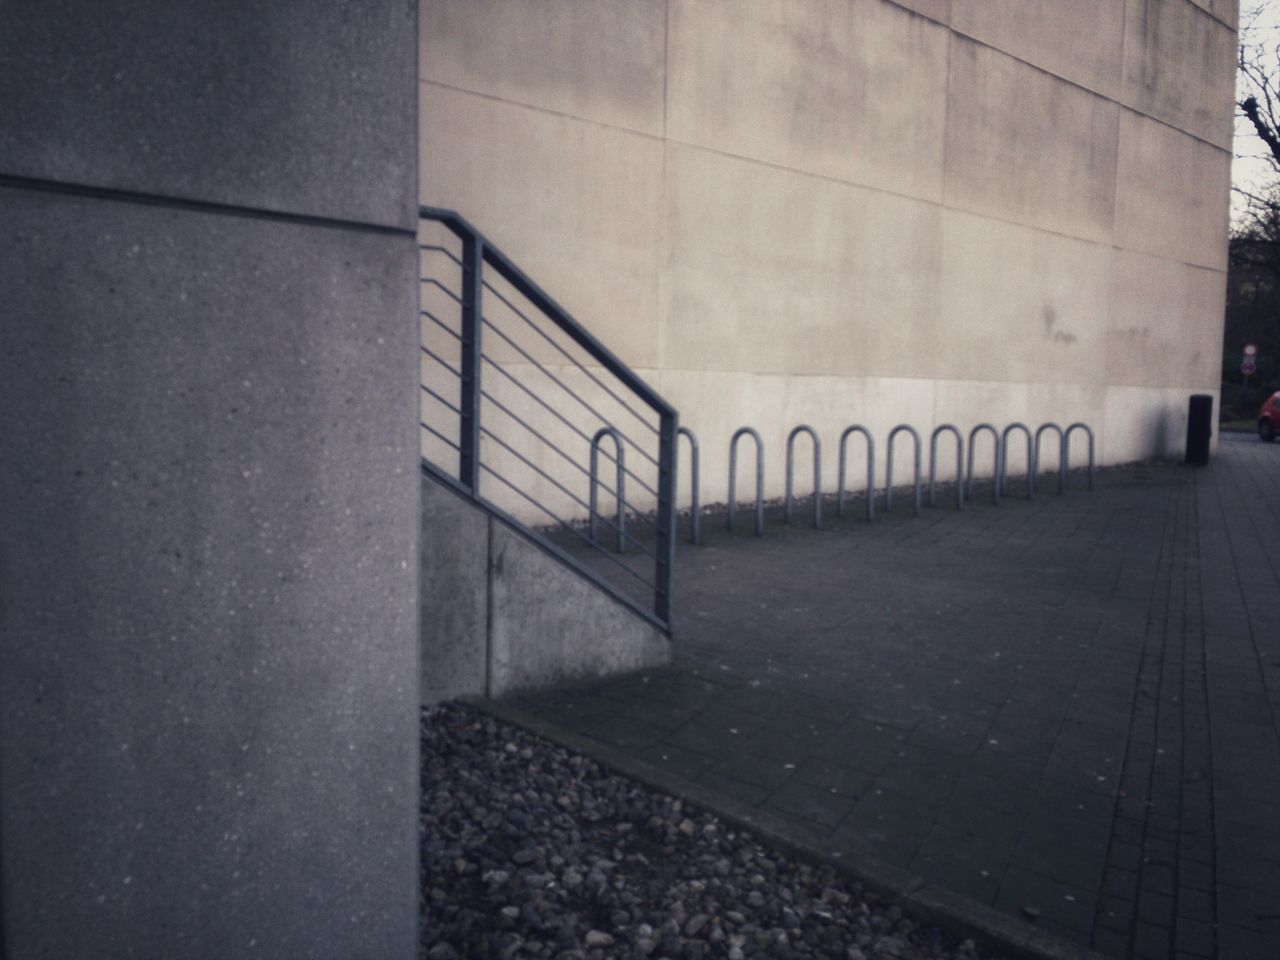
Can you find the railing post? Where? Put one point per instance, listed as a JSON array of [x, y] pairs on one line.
[[469, 427], [664, 565]]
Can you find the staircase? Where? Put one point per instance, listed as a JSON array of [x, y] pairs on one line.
[[532, 420]]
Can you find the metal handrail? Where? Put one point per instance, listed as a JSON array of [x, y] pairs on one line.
[[995, 468], [733, 476], [871, 470], [888, 466], [1062, 467], [478, 255], [933, 463], [1066, 446], [1004, 458], [695, 535], [817, 472]]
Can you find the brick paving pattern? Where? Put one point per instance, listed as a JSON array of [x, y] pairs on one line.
[[1065, 708]]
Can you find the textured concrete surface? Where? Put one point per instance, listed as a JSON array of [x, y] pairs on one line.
[[549, 626], [270, 106], [209, 489], [454, 571], [1065, 706], [210, 509], [501, 614], [857, 211]]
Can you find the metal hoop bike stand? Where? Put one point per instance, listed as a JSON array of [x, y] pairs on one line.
[[817, 472], [733, 476]]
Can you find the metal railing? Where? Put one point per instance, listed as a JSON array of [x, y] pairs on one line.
[[517, 398]]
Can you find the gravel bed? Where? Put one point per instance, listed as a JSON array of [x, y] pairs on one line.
[[530, 850]]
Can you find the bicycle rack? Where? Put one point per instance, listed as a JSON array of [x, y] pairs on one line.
[[817, 472], [733, 476], [995, 468], [1004, 458], [620, 481], [1066, 446], [888, 466], [694, 524], [871, 471], [1062, 467], [933, 463]]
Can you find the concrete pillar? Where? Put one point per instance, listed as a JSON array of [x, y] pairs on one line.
[[209, 489]]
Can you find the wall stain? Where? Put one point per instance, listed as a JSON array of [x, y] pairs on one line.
[[1050, 316]]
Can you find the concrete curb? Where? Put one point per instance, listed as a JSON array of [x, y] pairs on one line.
[[994, 931]]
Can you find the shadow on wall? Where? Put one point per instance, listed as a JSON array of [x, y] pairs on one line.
[[1167, 428], [1160, 433]]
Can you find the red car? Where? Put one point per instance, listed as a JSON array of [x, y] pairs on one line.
[[1269, 418]]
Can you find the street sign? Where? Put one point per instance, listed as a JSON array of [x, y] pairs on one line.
[[1248, 367]]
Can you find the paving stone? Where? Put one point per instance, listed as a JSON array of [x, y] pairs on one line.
[[1101, 641], [682, 763], [1151, 942], [1112, 943], [1124, 856], [1155, 908], [761, 772], [1062, 903], [822, 806], [847, 781], [966, 879], [1115, 913], [627, 733], [1194, 937], [1242, 943]]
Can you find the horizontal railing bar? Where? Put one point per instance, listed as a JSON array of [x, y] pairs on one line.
[[566, 422], [439, 398], [569, 527], [440, 360], [431, 429], [563, 489], [433, 282], [540, 299], [566, 388], [439, 249], [568, 356], [566, 456], [462, 228], [550, 443], [441, 324], [543, 543]]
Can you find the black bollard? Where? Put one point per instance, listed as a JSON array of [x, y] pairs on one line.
[[1199, 428]]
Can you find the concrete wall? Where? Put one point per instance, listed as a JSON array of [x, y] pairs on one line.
[[837, 211], [501, 615], [208, 482]]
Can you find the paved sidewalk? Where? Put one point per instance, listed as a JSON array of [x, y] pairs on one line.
[[1064, 708]]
